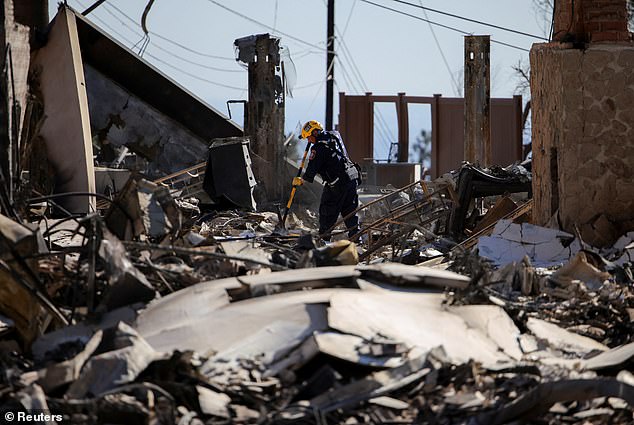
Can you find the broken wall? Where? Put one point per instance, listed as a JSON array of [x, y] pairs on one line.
[[119, 118], [66, 127], [18, 20], [583, 138]]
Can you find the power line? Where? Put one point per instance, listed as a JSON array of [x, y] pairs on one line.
[[169, 64], [383, 128], [266, 26], [442, 54], [146, 41], [345, 28], [470, 20], [194, 76], [383, 132], [305, 86], [207, 55], [437, 24]]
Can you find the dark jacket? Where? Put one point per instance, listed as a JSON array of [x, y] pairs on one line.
[[327, 160]]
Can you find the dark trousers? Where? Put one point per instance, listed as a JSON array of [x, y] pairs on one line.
[[341, 199]]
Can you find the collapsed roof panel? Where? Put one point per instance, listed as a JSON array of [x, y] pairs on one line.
[[152, 86], [118, 119]]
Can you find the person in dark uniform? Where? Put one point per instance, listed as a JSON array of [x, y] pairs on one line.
[[329, 159]]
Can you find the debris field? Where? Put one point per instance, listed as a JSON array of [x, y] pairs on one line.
[[165, 314]]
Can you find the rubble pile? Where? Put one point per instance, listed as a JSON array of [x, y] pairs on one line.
[[139, 285], [158, 310]]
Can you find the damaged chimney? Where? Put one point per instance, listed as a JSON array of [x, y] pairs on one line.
[[583, 121], [589, 21]]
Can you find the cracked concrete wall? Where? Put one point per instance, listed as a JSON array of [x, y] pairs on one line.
[[120, 118], [583, 138]]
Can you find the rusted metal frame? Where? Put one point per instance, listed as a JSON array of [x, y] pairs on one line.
[[402, 245], [453, 195], [424, 186], [375, 225], [436, 215], [201, 165], [362, 207], [408, 228], [419, 211], [518, 212], [402, 210], [394, 236], [416, 202], [184, 178], [188, 191]]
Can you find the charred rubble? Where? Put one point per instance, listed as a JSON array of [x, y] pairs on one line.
[[146, 278], [152, 311]]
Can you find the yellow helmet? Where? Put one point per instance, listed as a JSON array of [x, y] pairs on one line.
[[309, 127]]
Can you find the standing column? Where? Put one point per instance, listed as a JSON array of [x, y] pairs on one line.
[[265, 111], [477, 89]]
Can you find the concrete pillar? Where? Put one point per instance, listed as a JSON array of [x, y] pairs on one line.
[[477, 90]]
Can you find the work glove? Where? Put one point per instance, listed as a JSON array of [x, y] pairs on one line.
[[298, 181]]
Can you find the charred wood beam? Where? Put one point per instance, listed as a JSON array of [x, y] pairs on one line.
[[475, 183]]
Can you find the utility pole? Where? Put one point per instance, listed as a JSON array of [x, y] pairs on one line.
[[477, 100], [330, 63]]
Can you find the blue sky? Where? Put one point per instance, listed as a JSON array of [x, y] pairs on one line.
[[378, 50]]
